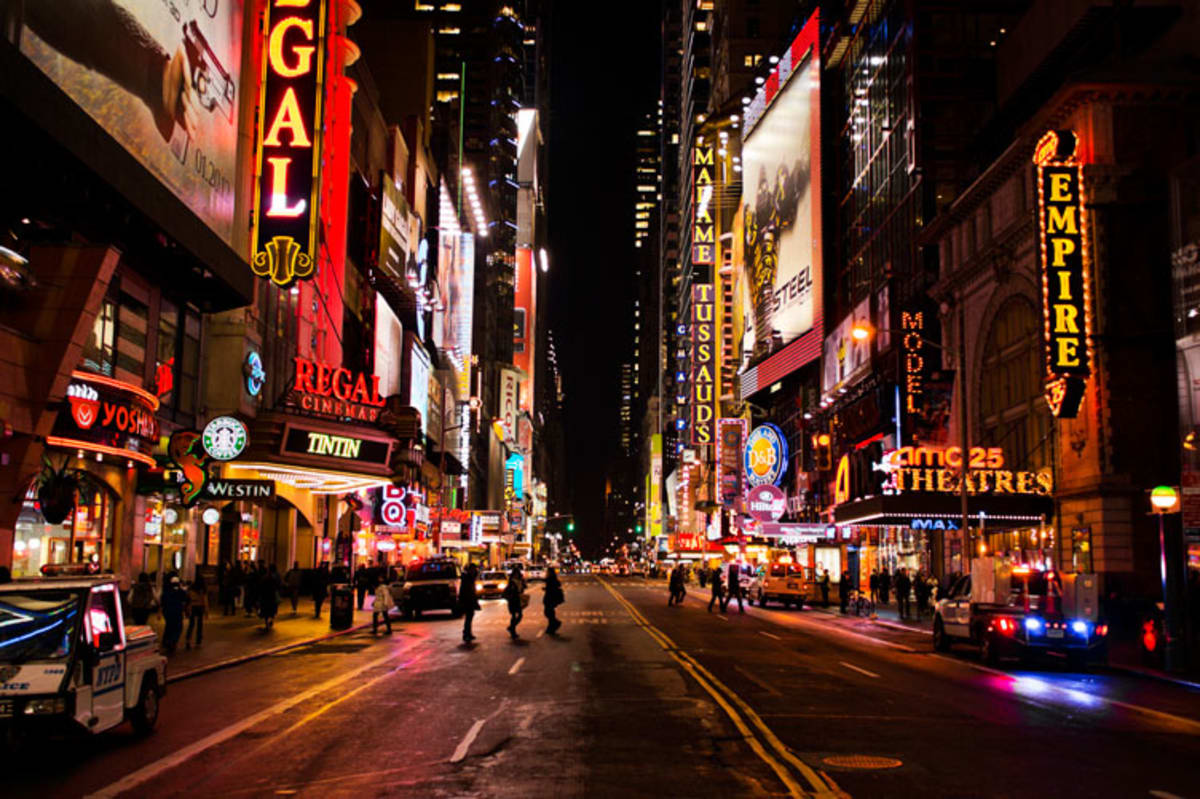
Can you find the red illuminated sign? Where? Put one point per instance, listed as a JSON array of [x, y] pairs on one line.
[[284, 238], [335, 391]]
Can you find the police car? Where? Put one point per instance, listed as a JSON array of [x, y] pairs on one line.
[[68, 662]]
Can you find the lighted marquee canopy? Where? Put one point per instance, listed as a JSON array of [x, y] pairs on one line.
[[1004, 510], [318, 481]]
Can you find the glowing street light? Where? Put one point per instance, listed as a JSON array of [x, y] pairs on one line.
[[1164, 500]]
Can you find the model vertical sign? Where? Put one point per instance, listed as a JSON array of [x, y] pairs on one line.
[[703, 363], [704, 245], [288, 157], [1066, 286]]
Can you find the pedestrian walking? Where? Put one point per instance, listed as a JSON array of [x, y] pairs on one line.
[[174, 604], [291, 582], [197, 610], [514, 595], [142, 600], [364, 581], [320, 588], [844, 589], [268, 596], [718, 591], [468, 602], [921, 591], [678, 592], [903, 592], [703, 577], [873, 583], [382, 606], [885, 586], [733, 588], [823, 584], [250, 585], [552, 597]]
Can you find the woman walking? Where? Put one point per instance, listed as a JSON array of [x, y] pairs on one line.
[[552, 598], [268, 596], [197, 610], [514, 594]]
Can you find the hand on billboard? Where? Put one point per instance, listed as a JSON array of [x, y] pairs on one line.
[[178, 94]]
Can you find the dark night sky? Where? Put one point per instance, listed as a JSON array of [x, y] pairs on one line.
[[604, 75]]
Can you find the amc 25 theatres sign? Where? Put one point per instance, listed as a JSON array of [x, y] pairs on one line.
[[288, 147]]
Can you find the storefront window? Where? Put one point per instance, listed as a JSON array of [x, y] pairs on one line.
[[829, 559], [85, 536], [164, 543]]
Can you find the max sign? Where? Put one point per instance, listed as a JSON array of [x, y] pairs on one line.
[[1066, 288], [284, 238]]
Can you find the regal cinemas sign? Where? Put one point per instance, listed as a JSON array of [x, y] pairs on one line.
[[1065, 262], [336, 392], [288, 148]]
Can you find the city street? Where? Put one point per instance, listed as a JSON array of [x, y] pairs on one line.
[[635, 698]]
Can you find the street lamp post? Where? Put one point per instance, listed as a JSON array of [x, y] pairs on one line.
[[1164, 500], [861, 331]]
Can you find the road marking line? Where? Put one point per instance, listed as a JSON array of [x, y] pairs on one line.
[[852, 667], [763, 685], [724, 697], [467, 740], [149, 772], [769, 635], [722, 617], [516, 666]]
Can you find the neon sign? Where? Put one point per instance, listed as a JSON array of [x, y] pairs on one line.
[[703, 363], [703, 241], [288, 157], [1066, 285], [913, 325], [766, 455], [336, 391]]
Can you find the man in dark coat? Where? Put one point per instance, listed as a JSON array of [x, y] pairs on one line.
[[903, 591], [717, 590], [320, 586], [676, 586], [885, 586], [552, 597], [823, 584], [733, 588], [468, 602], [844, 588]]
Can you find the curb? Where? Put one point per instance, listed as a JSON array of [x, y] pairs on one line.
[[262, 653], [1150, 674], [881, 622]]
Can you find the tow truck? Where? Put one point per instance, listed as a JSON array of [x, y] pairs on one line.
[[1018, 611], [68, 663]]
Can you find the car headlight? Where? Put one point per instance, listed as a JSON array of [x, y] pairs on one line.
[[1034, 625], [1080, 627], [504, 585], [41, 707], [478, 587]]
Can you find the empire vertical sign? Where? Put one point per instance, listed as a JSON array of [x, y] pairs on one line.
[[1066, 285], [703, 363], [288, 146], [704, 244]]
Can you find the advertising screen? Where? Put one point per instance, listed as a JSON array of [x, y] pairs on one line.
[[455, 304], [418, 380], [524, 323], [161, 78], [781, 208], [389, 341], [394, 231]]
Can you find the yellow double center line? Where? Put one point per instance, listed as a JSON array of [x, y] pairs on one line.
[[739, 712]]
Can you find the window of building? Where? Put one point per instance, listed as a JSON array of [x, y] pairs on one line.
[[132, 323], [98, 351], [1013, 412]]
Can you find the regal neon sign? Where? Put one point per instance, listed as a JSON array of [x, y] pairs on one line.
[[288, 157], [1066, 282], [336, 391]]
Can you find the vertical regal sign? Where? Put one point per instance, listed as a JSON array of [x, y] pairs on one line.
[[1066, 284], [288, 145], [704, 244], [703, 363]]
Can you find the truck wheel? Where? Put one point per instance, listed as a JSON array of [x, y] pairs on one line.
[[941, 641], [144, 715]]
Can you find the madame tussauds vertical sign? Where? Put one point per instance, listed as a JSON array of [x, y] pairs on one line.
[[1066, 285], [288, 148], [703, 364]]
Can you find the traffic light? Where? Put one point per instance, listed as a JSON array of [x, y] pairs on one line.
[[638, 528], [570, 525], [823, 451]]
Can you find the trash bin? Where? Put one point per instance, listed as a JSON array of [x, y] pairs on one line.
[[341, 606]]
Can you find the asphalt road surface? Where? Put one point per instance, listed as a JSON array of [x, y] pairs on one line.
[[632, 699]]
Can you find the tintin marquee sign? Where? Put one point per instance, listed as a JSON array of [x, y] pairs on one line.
[[1066, 283], [288, 147]]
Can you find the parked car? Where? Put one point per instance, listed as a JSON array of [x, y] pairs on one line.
[[535, 572], [430, 585], [69, 663], [785, 583]]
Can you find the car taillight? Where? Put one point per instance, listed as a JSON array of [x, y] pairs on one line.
[[1005, 625], [1102, 630]]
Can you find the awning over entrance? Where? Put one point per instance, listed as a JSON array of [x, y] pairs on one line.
[[902, 509]]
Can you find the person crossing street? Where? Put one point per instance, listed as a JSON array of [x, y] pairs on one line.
[[468, 601]]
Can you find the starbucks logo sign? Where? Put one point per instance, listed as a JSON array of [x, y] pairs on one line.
[[224, 438]]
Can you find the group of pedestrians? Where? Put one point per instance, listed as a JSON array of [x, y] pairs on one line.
[[176, 604], [516, 598], [725, 586], [258, 586], [921, 586]]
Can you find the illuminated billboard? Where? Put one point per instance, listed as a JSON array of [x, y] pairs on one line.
[[781, 208], [454, 307], [525, 323], [163, 79], [704, 342]]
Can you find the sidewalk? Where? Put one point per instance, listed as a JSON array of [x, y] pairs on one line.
[[233, 639]]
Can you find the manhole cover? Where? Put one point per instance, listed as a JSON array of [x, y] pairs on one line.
[[861, 761]]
